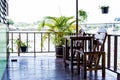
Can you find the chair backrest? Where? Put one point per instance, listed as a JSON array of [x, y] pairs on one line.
[[81, 32], [99, 39]]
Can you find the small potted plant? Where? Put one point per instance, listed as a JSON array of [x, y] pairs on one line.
[[22, 45], [104, 9]]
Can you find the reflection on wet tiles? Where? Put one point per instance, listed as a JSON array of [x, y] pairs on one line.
[[43, 68]]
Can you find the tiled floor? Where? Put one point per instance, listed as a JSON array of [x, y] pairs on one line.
[[45, 67]]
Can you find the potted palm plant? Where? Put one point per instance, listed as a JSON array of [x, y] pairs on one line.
[[59, 26]]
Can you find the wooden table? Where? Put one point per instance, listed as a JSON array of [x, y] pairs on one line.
[[74, 38]]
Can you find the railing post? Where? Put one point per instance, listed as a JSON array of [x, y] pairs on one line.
[[49, 42], [118, 76], [27, 40], [34, 45], [19, 44], [109, 53], [115, 53], [12, 41], [41, 40]]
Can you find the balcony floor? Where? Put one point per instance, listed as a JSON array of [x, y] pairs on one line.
[[46, 67]]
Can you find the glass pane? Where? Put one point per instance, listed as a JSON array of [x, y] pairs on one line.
[[2, 49]]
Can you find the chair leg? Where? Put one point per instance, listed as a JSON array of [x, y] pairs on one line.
[[85, 73], [103, 64], [103, 73], [64, 56], [78, 63], [85, 65]]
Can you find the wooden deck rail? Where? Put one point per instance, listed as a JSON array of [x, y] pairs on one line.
[[33, 39], [113, 54]]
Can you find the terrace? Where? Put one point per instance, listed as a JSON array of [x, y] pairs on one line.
[[46, 55], [40, 63]]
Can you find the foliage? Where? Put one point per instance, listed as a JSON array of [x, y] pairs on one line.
[[19, 43], [82, 15], [59, 27], [11, 22]]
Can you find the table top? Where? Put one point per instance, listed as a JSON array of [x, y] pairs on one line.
[[74, 37]]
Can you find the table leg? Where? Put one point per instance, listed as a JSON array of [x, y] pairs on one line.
[[91, 44], [71, 49], [66, 54]]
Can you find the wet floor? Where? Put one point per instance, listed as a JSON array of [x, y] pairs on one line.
[[46, 67]]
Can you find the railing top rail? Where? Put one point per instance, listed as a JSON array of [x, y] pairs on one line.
[[97, 23], [113, 34], [50, 32]]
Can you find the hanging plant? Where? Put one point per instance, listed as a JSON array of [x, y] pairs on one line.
[[82, 15], [104, 9]]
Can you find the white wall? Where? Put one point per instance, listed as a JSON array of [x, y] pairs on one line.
[[33, 10]]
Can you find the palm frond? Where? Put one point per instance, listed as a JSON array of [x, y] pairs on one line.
[[59, 26]]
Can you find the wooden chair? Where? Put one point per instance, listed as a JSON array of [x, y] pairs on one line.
[[94, 60], [94, 64]]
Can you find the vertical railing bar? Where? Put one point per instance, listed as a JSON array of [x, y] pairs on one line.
[[34, 45], [19, 42], [49, 42], [12, 41], [115, 53], [41, 44], [109, 53], [27, 40], [7, 48]]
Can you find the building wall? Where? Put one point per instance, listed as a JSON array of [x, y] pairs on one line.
[[3, 36]]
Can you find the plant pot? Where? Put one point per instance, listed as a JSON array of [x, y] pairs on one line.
[[23, 48], [59, 51], [105, 10]]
